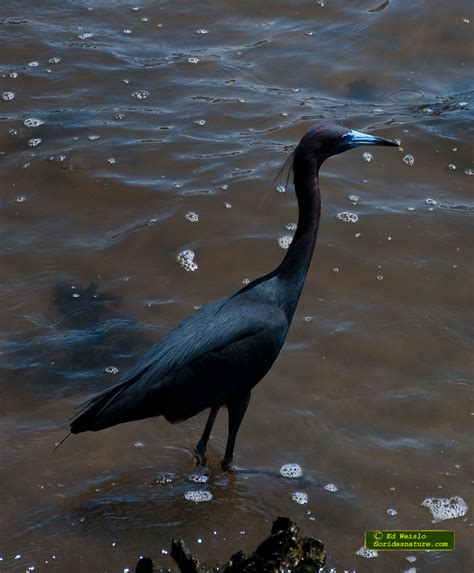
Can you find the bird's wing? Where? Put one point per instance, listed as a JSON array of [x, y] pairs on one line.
[[193, 364]]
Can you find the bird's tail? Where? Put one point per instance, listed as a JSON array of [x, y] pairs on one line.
[[106, 409]]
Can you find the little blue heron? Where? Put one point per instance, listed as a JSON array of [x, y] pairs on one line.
[[217, 355]]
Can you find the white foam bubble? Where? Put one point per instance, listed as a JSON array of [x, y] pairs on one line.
[[199, 496], [54, 60], [392, 512], [35, 142], [347, 217], [186, 260], [408, 159], [192, 216], [112, 370], [354, 198], [8, 96], [291, 471], [430, 201], [141, 94], [281, 189], [285, 241], [85, 35], [34, 64], [193, 60], [32, 122], [291, 226], [331, 487], [446, 508], [164, 478], [366, 553], [367, 156], [299, 497], [198, 478], [138, 445]]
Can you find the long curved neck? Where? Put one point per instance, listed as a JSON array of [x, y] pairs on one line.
[[294, 267]]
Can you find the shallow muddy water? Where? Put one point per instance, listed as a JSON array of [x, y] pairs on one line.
[[153, 114]]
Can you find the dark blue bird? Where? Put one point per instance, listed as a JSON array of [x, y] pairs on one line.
[[217, 355]]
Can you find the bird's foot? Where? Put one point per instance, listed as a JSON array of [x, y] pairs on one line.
[[200, 457], [226, 464]]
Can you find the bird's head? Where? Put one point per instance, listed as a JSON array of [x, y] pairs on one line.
[[326, 138]]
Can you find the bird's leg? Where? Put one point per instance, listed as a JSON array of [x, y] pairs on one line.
[[200, 449], [237, 407]]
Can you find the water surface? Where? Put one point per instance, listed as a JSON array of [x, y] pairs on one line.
[[149, 111]]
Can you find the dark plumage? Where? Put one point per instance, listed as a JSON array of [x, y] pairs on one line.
[[217, 355]]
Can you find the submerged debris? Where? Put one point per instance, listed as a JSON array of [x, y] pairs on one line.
[[284, 550]]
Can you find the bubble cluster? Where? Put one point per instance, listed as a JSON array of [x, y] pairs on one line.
[[202, 31], [192, 217], [8, 96], [112, 370], [199, 496], [198, 478], [392, 512], [331, 487], [291, 226], [367, 156], [446, 508], [186, 260], [164, 478], [409, 160], [193, 60], [347, 217], [300, 497], [35, 142], [291, 471], [21, 199], [85, 35], [141, 94], [200, 122], [430, 201], [32, 122], [281, 189], [354, 198], [367, 553], [54, 60], [285, 241], [138, 445], [469, 171]]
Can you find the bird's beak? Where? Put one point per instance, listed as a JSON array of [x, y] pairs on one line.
[[355, 138]]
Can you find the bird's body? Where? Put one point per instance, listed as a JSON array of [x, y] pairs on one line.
[[218, 354]]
